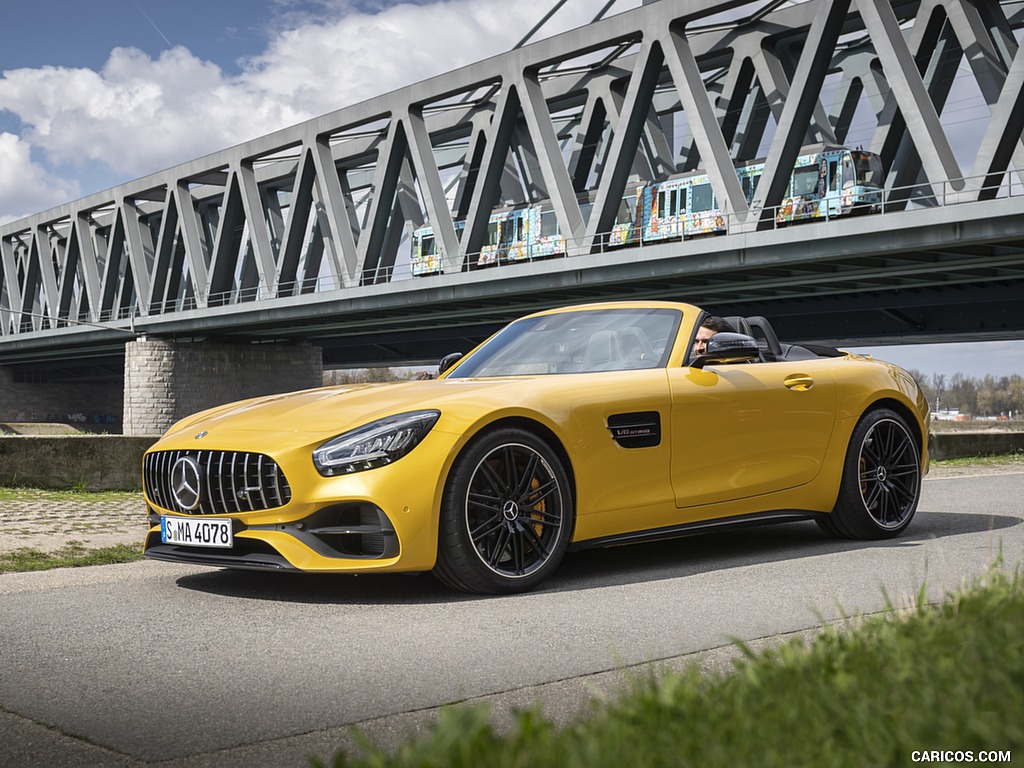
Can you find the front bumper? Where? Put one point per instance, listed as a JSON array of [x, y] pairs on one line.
[[382, 519]]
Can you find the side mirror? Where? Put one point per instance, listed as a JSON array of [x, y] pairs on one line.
[[448, 361], [728, 348]]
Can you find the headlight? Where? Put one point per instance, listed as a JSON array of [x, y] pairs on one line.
[[375, 444]]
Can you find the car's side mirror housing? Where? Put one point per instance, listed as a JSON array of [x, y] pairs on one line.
[[448, 361], [724, 348]]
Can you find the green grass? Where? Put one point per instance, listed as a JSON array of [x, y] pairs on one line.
[[868, 693], [1013, 460], [77, 494], [71, 555]]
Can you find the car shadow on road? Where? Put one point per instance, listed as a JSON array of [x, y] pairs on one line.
[[594, 568], [722, 550]]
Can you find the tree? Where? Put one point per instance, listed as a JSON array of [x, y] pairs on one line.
[[363, 376]]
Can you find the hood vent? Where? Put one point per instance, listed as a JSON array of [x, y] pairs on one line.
[[636, 430]]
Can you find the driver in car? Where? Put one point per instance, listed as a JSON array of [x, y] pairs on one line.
[[711, 325]]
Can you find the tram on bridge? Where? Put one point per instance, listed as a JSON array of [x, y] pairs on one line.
[[827, 182]]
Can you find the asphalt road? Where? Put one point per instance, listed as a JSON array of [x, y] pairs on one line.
[[153, 663]]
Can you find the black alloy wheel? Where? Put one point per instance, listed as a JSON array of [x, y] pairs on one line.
[[881, 482], [507, 515]]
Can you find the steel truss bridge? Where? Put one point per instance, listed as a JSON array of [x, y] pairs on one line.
[[305, 233]]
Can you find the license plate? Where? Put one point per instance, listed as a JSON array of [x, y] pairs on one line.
[[191, 532]]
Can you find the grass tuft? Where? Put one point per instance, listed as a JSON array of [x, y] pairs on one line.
[[864, 693], [71, 555]]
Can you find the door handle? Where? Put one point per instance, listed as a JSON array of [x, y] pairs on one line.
[[799, 382]]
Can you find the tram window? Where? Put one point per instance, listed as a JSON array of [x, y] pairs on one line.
[[508, 231], [661, 203], [548, 224], [427, 246], [869, 169], [702, 199], [749, 185], [833, 177], [625, 213], [805, 181], [682, 200], [492, 233]]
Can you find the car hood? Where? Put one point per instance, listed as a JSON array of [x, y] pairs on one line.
[[330, 411]]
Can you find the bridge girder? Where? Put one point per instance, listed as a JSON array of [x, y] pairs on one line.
[[314, 218]]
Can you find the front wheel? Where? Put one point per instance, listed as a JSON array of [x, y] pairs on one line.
[[506, 515], [881, 481]]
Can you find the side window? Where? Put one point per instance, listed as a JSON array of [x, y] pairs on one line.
[[805, 181], [703, 198], [548, 224]]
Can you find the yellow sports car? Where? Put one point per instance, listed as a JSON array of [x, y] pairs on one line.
[[578, 427]]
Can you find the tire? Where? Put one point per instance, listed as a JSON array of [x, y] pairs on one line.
[[881, 482], [506, 515]]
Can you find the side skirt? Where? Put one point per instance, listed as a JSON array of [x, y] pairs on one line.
[[695, 529]]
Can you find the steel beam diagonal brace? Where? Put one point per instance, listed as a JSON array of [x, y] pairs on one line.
[[259, 236], [549, 156], [632, 118], [293, 231], [910, 92], [113, 278], [707, 133], [163, 258], [431, 187], [800, 105], [136, 251], [338, 216], [487, 192], [1002, 137], [192, 239], [776, 86], [47, 274], [990, 70], [392, 155]]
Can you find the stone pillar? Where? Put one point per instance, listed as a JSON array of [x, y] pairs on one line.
[[165, 381]]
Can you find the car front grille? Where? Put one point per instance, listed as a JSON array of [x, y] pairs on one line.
[[228, 482]]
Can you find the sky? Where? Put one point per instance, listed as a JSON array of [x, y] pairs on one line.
[[94, 94]]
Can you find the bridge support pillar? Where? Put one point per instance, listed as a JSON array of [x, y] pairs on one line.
[[165, 381]]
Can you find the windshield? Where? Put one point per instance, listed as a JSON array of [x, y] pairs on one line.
[[869, 169], [576, 342]]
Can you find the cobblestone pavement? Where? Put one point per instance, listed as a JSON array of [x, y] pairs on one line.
[[49, 521]]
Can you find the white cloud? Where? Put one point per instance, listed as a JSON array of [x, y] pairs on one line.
[[25, 186], [139, 115], [325, 66]]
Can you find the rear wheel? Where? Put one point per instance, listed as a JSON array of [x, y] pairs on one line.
[[881, 481], [506, 515]]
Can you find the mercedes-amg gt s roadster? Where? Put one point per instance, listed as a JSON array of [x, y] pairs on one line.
[[577, 427]]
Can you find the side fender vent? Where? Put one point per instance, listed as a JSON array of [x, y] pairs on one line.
[[636, 430]]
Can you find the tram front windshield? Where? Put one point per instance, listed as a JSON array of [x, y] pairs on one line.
[[869, 169]]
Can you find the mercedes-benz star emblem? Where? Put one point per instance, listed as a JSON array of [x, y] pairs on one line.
[[187, 483]]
